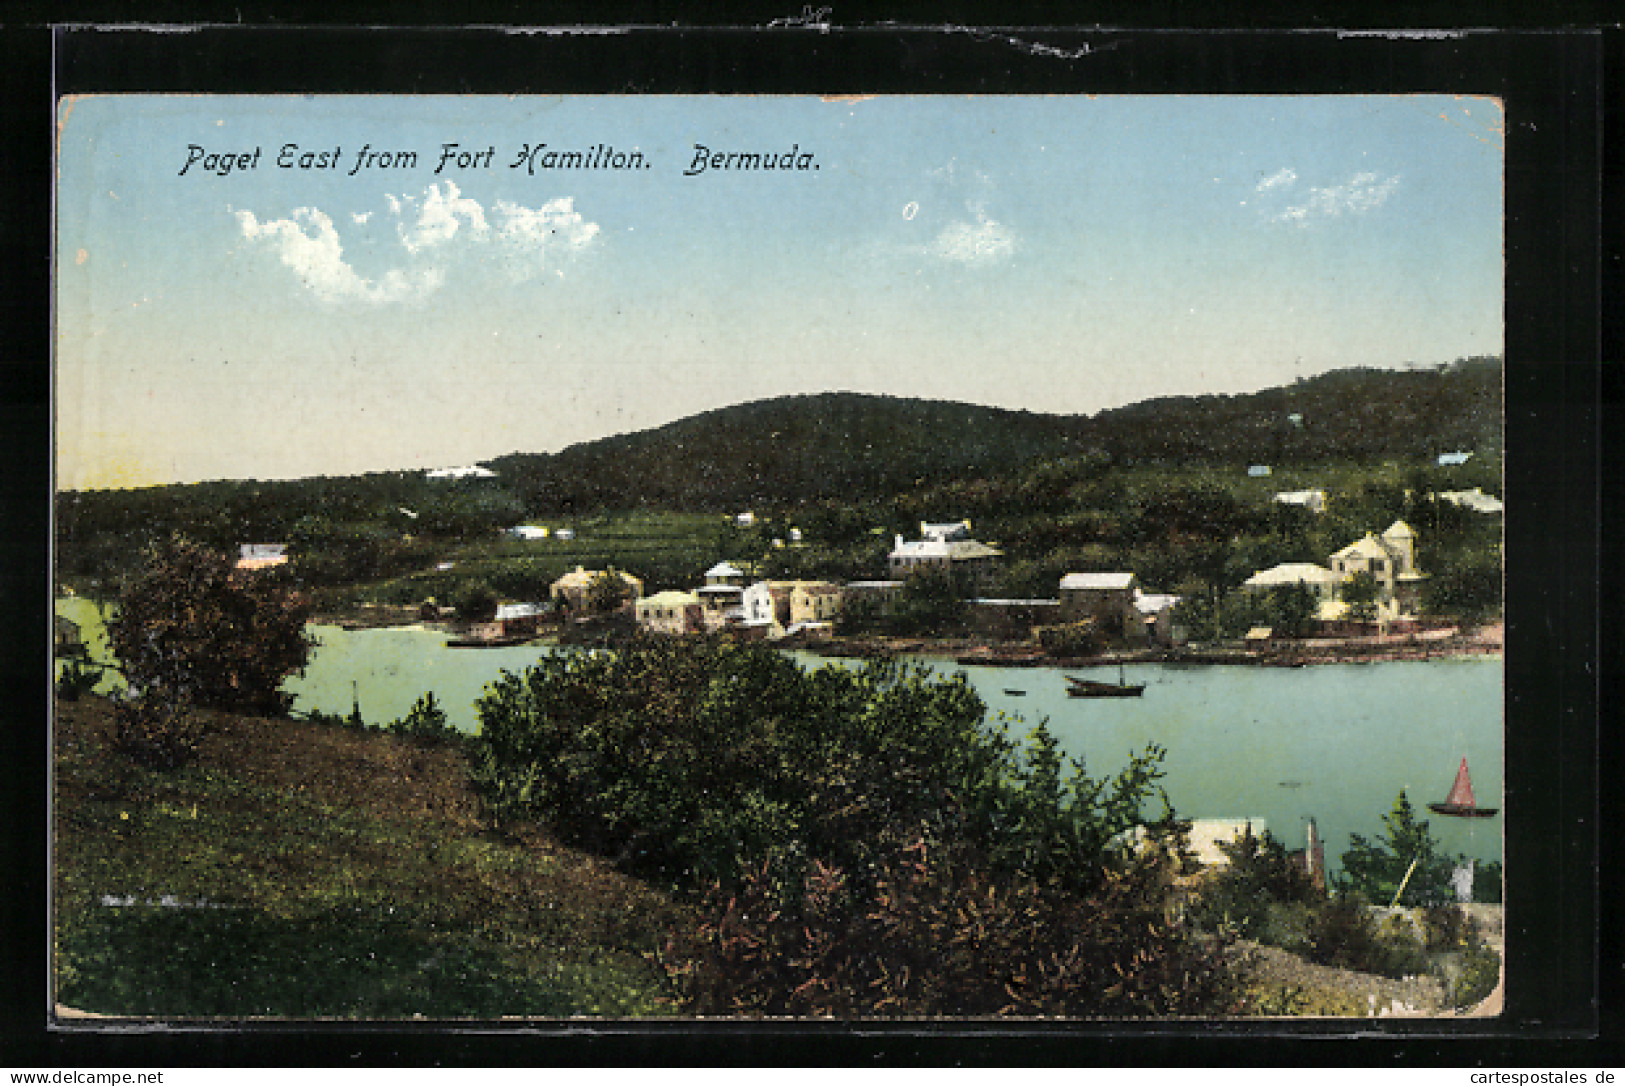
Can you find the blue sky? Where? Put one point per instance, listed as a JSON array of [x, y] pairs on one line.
[[1061, 254]]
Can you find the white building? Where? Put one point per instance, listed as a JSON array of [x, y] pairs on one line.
[[1474, 499], [473, 471], [261, 555], [1312, 500]]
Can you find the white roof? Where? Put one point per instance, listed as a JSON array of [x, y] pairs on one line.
[[507, 611], [1399, 530], [670, 598], [1016, 603], [920, 548], [1154, 603], [1369, 547], [1474, 499], [947, 531], [1292, 573], [1446, 459], [1300, 497], [473, 471], [1097, 581], [717, 589], [724, 569]]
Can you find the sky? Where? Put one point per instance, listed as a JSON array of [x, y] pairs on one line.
[[311, 310]]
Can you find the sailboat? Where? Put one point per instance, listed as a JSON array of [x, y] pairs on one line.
[[1461, 802], [1093, 688]]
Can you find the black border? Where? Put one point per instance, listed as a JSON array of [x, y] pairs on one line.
[[1556, 396]]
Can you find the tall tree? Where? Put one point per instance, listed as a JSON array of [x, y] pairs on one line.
[[192, 629]]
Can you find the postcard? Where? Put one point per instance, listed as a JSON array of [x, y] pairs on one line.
[[871, 558]]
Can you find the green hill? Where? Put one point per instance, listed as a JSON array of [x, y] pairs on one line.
[[855, 447]]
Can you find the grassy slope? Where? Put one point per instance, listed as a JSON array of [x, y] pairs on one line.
[[346, 874]]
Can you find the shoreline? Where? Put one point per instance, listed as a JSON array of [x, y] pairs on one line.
[[1308, 652], [1444, 643]]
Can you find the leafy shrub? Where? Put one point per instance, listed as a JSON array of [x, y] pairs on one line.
[[425, 722], [1246, 893], [192, 630], [857, 841], [1476, 977], [1289, 925], [156, 733], [686, 758], [1377, 869], [1346, 936], [943, 935], [1445, 927]]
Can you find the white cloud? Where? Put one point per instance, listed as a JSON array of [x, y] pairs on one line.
[[307, 243], [556, 220], [1361, 193], [441, 221], [440, 218], [1284, 176], [983, 242]]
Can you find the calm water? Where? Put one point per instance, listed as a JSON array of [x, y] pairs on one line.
[[1334, 742]]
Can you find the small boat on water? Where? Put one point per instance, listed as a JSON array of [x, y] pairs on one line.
[[1461, 803], [1094, 688], [487, 642]]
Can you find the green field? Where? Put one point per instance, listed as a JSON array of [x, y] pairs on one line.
[[666, 550]]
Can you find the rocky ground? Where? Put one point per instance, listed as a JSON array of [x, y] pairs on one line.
[[1302, 988]]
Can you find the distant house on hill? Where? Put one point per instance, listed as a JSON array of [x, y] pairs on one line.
[[945, 533], [261, 555], [1454, 459], [1258, 471], [1474, 499], [528, 532], [565, 534], [1312, 500], [473, 471]]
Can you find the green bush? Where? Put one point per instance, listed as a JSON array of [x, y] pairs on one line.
[[193, 630], [1478, 973], [942, 934], [1377, 869], [1245, 895], [425, 722], [857, 841]]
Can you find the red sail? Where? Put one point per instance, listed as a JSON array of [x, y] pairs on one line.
[[1461, 794]]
